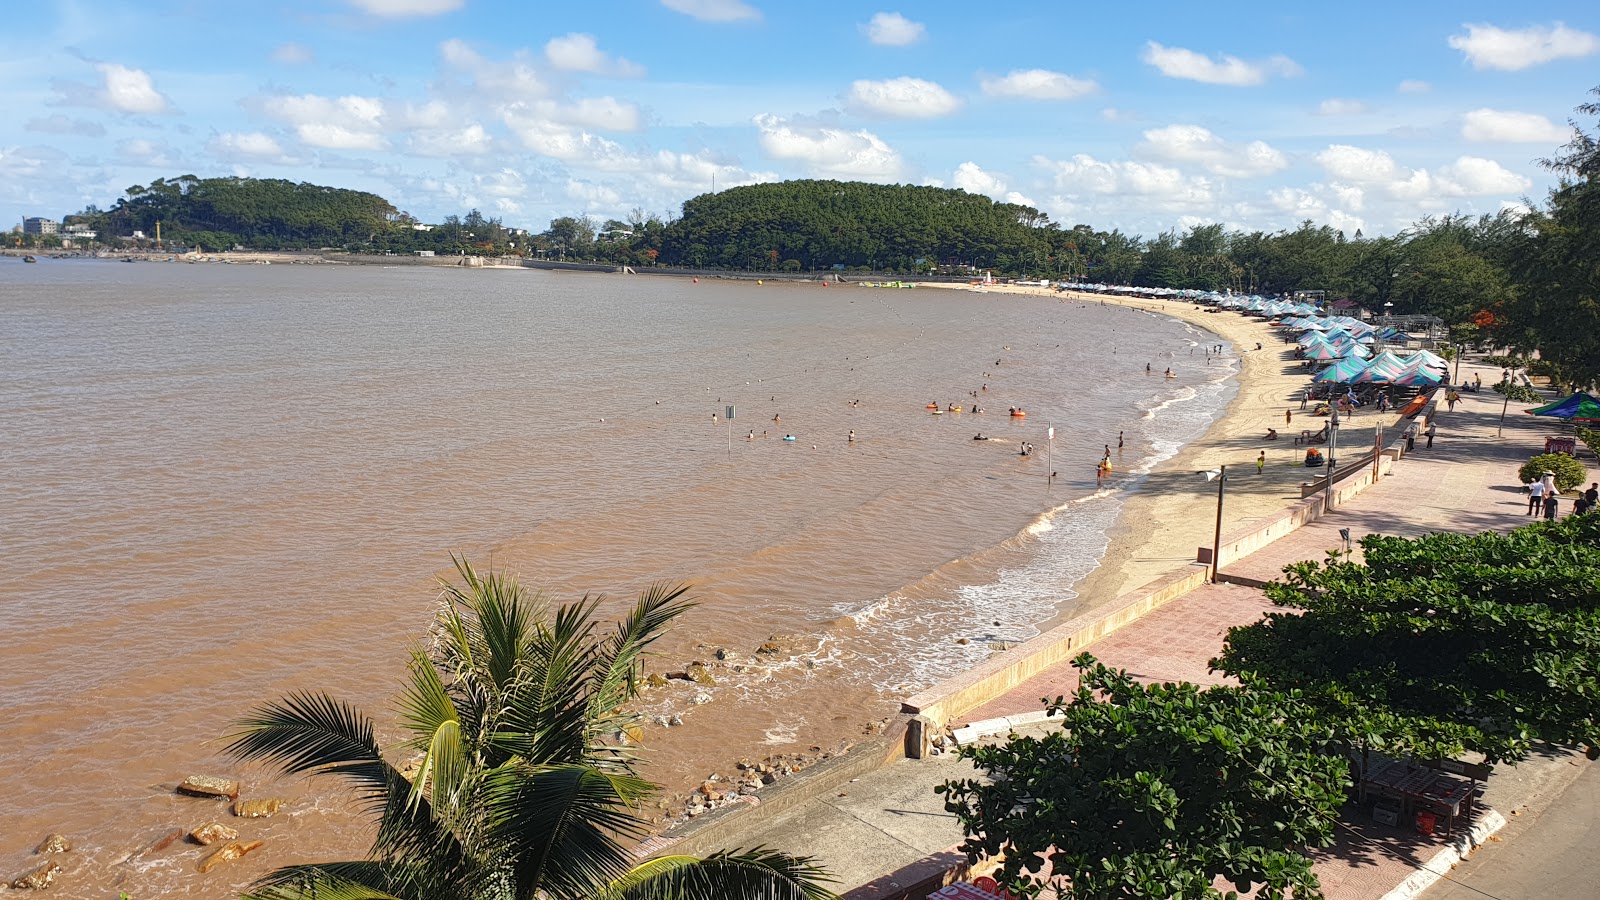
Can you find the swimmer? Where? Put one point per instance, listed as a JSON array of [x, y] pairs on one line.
[[852, 438], [980, 436], [776, 419]]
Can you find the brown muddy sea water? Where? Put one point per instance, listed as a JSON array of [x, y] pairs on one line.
[[224, 483]]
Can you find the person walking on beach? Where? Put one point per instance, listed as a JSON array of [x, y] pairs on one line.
[[1432, 429], [1535, 498], [1261, 462], [1288, 417], [1305, 395]]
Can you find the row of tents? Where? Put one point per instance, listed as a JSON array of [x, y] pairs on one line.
[[1420, 369]]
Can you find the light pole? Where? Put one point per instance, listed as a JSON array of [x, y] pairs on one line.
[[1333, 449], [1220, 475]]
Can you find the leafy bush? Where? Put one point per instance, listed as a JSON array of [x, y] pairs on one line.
[[1518, 392], [1590, 438], [1506, 362], [1569, 472]]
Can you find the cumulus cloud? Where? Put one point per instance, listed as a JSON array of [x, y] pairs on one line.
[[557, 140], [121, 89], [1301, 205], [232, 146], [143, 152], [343, 123], [1488, 47], [517, 79], [902, 98], [1504, 126], [890, 29], [828, 150], [59, 124], [1037, 84], [714, 10], [470, 140], [1194, 144], [1163, 187], [292, 54], [397, 9], [1176, 62], [1468, 176], [579, 53], [970, 177], [1413, 86], [1336, 106], [29, 162]]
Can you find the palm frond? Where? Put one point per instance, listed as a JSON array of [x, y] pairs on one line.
[[562, 826], [426, 709], [617, 669], [757, 874], [337, 881]]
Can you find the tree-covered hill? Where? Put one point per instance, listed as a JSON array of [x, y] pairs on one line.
[[256, 212], [820, 224]]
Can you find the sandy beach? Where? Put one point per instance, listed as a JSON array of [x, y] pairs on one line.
[[1173, 513]]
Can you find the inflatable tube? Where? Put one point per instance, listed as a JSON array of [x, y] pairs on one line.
[[931, 406], [789, 437], [1018, 414], [938, 412]]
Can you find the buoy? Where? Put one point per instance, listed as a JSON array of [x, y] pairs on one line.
[[758, 281], [697, 281]]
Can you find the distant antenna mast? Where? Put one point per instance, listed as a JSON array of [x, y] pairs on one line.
[[713, 182]]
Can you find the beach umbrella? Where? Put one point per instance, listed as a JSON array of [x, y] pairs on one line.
[[1579, 407], [1418, 378], [1345, 371], [1323, 351]]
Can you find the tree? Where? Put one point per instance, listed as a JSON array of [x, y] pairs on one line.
[[1478, 642], [1156, 791], [520, 791]]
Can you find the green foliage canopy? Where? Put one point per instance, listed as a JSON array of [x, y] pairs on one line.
[[1478, 642], [1156, 791]]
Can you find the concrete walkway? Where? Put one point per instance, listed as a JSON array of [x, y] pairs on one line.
[[889, 820]]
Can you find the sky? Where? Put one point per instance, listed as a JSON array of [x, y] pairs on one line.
[[1144, 117]]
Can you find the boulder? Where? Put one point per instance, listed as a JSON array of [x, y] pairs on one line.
[[55, 843], [230, 850], [209, 786], [656, 680], [701, 699], [163, 841], [256, 809], [38, 879], [212, 833], [769, 647]]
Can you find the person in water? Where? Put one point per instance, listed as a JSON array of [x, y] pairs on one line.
[[980, 436]]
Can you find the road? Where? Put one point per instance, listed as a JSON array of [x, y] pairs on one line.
[[1551, 853]]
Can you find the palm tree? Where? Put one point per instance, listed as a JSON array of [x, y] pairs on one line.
[[521, 791]]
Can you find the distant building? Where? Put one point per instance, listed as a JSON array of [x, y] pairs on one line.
[[37, 225], [424, 252], [420, 227], [79, 232]]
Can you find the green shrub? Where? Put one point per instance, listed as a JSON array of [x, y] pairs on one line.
[[1519, 392], [1568, 471]]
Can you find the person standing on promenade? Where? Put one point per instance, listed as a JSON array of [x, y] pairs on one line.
[[1432, 430], [1550, 504], [1535, 498]]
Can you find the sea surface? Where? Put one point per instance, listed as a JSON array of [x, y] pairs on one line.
[[222, 483]]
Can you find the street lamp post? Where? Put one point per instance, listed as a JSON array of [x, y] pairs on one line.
[[1220, 474]]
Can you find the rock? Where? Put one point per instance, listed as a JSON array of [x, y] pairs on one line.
[[962, 641], [633, 732], [769, 647], [695, 811], [163, 841], [679, 676], [39, 878], [209, 786], [655, 680], [676, 720], [215, 832], [701, 698], [769, 777], [698, 674], [256, 809], [230, 850], [662, 721], [55, 843], [411, 770], [725, 654]]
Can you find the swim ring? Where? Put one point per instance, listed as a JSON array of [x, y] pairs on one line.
[[1017, 413]]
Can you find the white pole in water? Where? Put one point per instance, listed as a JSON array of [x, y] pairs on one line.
[[1050, 452], [730, 429]]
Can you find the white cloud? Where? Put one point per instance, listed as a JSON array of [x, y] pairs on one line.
[[129, 90], [829, 150], [470, 140], [1504, 126], [714, 10], [1337, 106], [345, 123], [1472, 176], [1355, 164], [142, 152], [902, 98], [1468, 176], [1302, 204], [1112, 114], [579, 53], [1488, 47], [971, 178], [1164, 187], [1037, 84], [558, 141], [890, 29], [254, 145], [394, 9], [292, 54], [1176, 62], [29, 162], [1194, 144], [1413, 86], [514, 80], [59, 124]]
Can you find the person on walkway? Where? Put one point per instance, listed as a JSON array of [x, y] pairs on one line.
[[1550, 505], [1261, 462], [1432, 429], [1593, 495], [1535, 498], [1450, 398], [1477, 382]]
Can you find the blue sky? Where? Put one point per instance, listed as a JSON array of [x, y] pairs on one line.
[[1143, 117]]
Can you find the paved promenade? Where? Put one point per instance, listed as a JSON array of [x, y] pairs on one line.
[[891, 818]]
